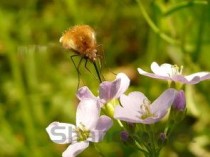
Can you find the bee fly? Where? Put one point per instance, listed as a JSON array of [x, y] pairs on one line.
[[81, 40]]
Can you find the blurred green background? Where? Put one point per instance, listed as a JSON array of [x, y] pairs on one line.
[[38, 81]]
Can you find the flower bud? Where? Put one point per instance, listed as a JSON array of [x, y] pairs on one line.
[[178, 109], [124, 136], [162, 139], [179, 101]]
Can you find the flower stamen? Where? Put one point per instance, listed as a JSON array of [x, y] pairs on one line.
[[176, 70], [145, 109], [82, 132]]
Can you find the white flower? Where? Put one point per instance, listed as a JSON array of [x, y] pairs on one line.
[[174, 73], [90, 127]]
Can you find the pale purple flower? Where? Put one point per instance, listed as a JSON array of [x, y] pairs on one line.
[[108, 90], [114, 89], [136, 108], [90, 127], [179, 101], [174, 73]]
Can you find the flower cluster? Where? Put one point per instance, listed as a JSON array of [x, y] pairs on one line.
[[132, 108], [90, 126]]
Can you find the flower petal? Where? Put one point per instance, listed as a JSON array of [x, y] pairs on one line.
[[104, 123], [149, 120], [61, 133], [197, 77], [85, 93], [75, 149], [186, 80], [160, 106], [129, 111], [162, 70], [152, 75], [125, 82], [87, 114], [110, 90], [204, 75]]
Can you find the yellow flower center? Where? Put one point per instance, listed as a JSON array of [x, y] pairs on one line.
[[82, 133]]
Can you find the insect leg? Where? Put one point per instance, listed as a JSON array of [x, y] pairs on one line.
[[77, 67], [97, 71], [86, 61]]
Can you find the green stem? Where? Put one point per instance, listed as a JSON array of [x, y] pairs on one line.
[[201, 29], [171, 124], [153, 151], [140, 148], [31, 75], [154, 27], [7, 132], [184, 4], [98, 150], [24, 105]]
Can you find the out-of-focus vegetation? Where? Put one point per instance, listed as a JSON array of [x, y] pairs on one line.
[[38, 81]]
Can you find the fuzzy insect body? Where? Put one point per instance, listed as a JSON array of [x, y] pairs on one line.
[[81, 39]]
